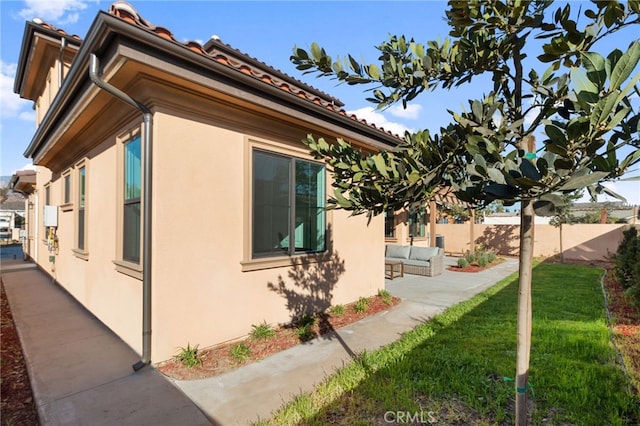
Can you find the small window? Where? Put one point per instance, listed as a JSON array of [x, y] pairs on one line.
[[67, 189], [288, 206], [82, 176], [389, 224], [417, 223], [132, 201]]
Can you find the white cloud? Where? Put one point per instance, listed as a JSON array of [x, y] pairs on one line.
[[59, 12], [411, 112], [12, 104], [374, 117]]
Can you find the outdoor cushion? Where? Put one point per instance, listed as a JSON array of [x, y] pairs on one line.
[[416, 262], [423, 253], [397, 252]]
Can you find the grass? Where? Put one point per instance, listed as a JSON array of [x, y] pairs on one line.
[[452, 369]]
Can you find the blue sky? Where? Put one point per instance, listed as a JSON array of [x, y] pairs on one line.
[[268, 31]]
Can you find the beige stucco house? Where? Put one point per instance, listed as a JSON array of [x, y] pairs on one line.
[[173, 197]]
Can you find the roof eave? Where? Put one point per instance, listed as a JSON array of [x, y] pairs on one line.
[[106, 24]]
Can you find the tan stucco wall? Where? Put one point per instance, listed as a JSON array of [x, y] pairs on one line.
[[200, 293], [580, 241]]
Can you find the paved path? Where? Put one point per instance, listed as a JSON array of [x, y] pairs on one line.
[[81, 372], [256, 390]]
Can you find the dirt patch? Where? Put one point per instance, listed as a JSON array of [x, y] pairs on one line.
[[219, 359], [18, 407]]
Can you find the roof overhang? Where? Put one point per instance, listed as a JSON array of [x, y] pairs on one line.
[[40, 49], [108, 32], [23, 181]]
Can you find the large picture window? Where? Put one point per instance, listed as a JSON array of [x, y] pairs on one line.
[[288, 215], [131, 208]]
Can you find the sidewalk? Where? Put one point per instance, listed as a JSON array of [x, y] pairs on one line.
[[253, 392], [81, 372]]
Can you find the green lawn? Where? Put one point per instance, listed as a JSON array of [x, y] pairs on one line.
[[455, 369]]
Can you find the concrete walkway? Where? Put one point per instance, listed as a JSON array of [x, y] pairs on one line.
[[253, 392], [81, 372]]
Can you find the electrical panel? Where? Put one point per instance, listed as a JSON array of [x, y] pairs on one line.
[[50, 216]]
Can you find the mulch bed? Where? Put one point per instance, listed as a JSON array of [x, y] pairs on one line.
[[218, 359], [18, 407]]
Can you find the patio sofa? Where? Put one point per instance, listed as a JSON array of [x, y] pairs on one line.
[[427, 261]]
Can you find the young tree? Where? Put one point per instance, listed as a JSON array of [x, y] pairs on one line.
[[563, 214], [579, 98]]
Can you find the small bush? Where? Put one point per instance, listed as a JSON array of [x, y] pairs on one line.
[[189, 356], [627, 264], [385, 296], [361, 305], [262, 331], [482, 260], [241, 352], [305, 332], [470, 257], [463, 262], [337, 310]]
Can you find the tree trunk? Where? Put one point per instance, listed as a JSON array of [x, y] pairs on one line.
[[524, 311]]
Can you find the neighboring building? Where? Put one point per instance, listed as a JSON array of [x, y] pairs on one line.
[[233, 231]]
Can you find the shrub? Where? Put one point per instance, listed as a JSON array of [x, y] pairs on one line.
[[361, 305], [385, 295], [305, 332], [241, 352], [189, 356], [262, 331], [463, 262], [482, 259], [627, 264], [470, 257], [337, 310]]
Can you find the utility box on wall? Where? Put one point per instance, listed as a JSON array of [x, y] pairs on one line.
[[50, 216]]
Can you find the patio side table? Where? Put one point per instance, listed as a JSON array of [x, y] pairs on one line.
[[394, 267]]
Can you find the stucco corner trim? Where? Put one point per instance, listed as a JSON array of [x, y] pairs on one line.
[[127, 268]]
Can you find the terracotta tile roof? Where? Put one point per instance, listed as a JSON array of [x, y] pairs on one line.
[[241, 62], [232, 58], [50, 27]]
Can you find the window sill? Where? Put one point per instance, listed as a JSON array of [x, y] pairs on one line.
[[127, 268], [81, 254], [391, 239], [66, 207], [282, 261], [417, 239]]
